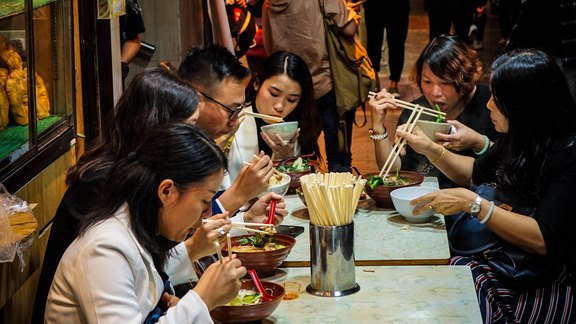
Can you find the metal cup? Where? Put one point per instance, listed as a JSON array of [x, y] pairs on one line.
[[332, 261]]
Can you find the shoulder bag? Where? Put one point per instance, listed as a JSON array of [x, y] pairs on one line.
[[353, 75], [468, 237]]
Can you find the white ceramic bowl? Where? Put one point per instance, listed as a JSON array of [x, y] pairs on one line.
[[430, 128], [281, 188], [285, 130], [401, 199]]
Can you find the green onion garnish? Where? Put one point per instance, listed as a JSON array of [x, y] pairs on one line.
[[439, 118]]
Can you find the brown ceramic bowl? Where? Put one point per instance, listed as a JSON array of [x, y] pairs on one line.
[[295, 180], [249, 313], [265, 262], [381, 194]]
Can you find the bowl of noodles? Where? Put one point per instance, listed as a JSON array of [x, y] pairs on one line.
[[247, 306], [278, 184], [263, 253], [379, 189]]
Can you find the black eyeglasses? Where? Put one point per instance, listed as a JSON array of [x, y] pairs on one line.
[[233, 113]]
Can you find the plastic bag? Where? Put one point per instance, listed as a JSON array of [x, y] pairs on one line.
[[11, 243]]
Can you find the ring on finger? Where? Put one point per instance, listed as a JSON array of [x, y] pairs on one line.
[[221, 231]]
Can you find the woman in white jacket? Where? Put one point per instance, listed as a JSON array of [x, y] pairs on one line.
[[153, 199], [283, 88]]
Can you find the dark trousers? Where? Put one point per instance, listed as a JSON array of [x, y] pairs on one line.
[[338, 151], [443, 13], [391, 15]]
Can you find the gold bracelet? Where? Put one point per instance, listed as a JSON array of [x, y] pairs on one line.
[[440, 157]]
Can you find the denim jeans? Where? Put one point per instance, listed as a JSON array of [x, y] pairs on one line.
[[338, 154]]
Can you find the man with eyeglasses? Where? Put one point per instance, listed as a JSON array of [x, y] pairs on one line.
[[219, 78]]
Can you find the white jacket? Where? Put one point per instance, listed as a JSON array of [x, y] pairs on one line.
[[106, 276]]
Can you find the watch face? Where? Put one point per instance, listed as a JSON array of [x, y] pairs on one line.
[[474, 209]]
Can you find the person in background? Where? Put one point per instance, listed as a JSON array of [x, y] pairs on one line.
[[534, 163], [131, 26], [283, 88], [479, 18], [154, 198], [447, 73], [391, 16], [219, 78], [442, 14], [297, 26]]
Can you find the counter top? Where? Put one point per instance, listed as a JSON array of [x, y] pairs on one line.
[[381, 237], [392, 294]]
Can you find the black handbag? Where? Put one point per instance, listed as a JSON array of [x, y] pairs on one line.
[[468, 237]]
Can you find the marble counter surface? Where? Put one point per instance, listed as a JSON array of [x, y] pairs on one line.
[[381, 237], [396, 294]]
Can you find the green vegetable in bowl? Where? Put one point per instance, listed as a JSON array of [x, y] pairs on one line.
[[397, 180], [439, 118], [299, 165], [246, 297]]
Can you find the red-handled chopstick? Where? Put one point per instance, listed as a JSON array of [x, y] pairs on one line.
[[272, 211]]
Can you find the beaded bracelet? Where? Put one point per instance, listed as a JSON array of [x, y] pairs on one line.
[[486, 146], [376, 136]]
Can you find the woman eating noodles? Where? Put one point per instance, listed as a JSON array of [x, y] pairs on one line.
[[153, 199], [447, 73]]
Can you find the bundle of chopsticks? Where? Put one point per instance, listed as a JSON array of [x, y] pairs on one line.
[[262, 116], [417, 111], [332, 198]]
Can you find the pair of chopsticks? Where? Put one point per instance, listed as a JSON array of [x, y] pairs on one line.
[[262, 116], [242, 226], [411, 106], [258, 158], [399, 145]]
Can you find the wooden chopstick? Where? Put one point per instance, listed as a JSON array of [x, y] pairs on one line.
[[411, 106], [240, 223], [257, 157], [262, 116], [248, 229], [409, 127], [218, 251]]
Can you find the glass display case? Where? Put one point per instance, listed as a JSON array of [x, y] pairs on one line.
[[36, 86]]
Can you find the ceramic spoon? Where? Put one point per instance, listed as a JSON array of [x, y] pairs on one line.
[[265, 296]]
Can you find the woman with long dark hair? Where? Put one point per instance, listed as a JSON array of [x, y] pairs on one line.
[[283, 88], [153, 98], [154, 198], [533, 163]]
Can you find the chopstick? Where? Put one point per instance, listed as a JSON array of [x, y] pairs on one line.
[[218, 251], [411, 106], [398, 146], [240, 223], [267, 117], [258, 158]]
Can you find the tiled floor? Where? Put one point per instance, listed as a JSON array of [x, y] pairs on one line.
[[362, 146]]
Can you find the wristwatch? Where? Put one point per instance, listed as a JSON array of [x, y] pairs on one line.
[[475, 206]]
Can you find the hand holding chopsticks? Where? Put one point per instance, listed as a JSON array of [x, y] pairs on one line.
[[242, 226], [411, 106]]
